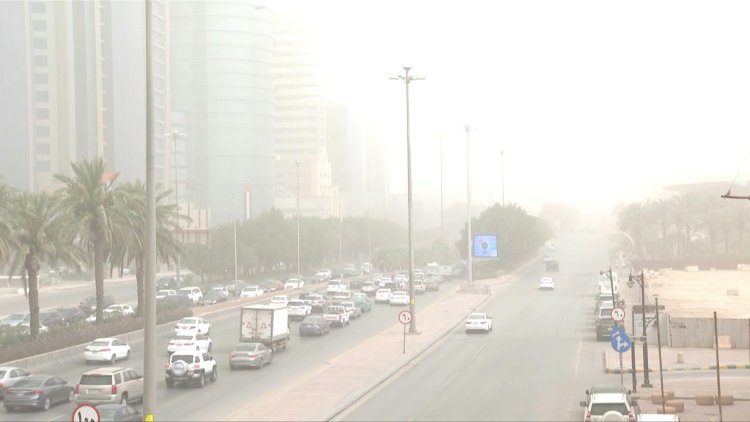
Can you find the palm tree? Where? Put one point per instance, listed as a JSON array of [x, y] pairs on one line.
[[94, 204], [6, 234], [43, 236], [131, 246]]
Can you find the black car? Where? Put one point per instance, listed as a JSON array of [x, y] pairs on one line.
[[51, 318], [212, 297], [88, 305], [168, 283], [72, 315], [38, 391], [118, 412], [604, 328], [315, 325]]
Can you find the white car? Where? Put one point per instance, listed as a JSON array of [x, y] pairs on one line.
[[383, 280], [9, 375], [252, 291], [194, 293], [190, 342], [294, 283], [108, 349], [298, 309], [368, 287], [546, 283], [336, 286], [383, 296], [118, 309], [608, 407], [354, 311], [280, 300], [161, 294], [399, 297], [478, 321], [192, 325]]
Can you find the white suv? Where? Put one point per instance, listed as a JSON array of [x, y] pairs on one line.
[[191, 367], [251, 291], [383, 296], [189, 342], [298, 309], [608, 407], [194, 293], [336, 286]]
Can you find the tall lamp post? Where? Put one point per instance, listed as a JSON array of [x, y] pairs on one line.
[[638, 278], [299, 280], [175, 135], [407, 79], [468, 206]]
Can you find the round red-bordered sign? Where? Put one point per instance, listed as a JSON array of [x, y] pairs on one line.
[[404, 317], [85, 413], [618, 314]]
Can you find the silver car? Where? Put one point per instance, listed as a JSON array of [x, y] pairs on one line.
[[250, 355], [109, 385], [9, 375]]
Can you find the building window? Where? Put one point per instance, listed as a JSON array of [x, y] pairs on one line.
[[40, 78], [42, 131], [41, 96], [42, 113], [40, 43], [38, 7], [42, 166], [40, 61], [42, 148], [39, 25]]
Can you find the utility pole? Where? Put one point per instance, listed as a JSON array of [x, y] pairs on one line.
[[407, 79], [299, 280], [469, 267], [149, 328], [175, 134], [638, 278], [341, 235]]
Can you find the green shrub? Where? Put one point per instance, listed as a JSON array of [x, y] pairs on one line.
[[16, 345]]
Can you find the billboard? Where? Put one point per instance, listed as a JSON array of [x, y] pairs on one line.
[[485, 246]]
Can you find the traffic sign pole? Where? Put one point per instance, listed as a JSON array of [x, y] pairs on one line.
[[404, 317], [404, 351]]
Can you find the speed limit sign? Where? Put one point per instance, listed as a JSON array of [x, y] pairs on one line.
[[404, 317], [86, 413], [618, 314]]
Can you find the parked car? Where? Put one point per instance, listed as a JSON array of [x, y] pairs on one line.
[[187, 342], [399, 298], [212, 297], [383, 296], [39, 391], [354, 311], [298, 309], [608, 407], [13, 320], [119, 412], [109, 385], [88, 305], [254, 355], [9, 375], [271, 285], [251, 291], [192, 325], [166, 292], [119, 310], [478, 321], [108, 349], [194, 293], [315, 325]]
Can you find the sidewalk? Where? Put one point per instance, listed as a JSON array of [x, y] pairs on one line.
[[685, 391], [694, 359], [322, 393]]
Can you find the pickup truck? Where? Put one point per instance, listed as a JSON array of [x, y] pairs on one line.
[[191, 366], [336, 315]]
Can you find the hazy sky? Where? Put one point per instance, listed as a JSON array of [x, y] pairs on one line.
[[593, 102]]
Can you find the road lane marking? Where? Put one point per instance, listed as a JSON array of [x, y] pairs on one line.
[[455, 374]]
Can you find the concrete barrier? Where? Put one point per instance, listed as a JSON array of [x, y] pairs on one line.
[[704, 400], [726, 399], [677, 405]]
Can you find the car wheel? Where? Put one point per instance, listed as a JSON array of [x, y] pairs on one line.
[[202, 380], [214, 374], [124, 399], [127, 355], [113, 359], [260, 365], [71, 396], [170, 383], [46, 403]]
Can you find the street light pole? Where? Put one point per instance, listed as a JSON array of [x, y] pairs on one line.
[[407, 79], [299, 280], [469, 269], [149, 327], [234, 225], [175, 134], [638, 278]]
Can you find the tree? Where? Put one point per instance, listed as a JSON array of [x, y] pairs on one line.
[[94, 204], [7, 240], [43, 235], [130, 246]]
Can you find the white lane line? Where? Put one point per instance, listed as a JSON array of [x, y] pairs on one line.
[[447, 383]]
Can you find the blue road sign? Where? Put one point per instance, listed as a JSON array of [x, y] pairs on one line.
[[620, 341]]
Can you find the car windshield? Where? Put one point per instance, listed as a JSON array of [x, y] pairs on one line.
[[296, 303], [183, 337], [245, 347], [188, 321], [2, 373], [100, 343], [477, 316], [15, 317]]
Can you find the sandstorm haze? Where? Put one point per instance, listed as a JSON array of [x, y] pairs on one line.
[[594, 104]]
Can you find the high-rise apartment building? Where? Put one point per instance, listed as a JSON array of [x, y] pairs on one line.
[[300, 123], [221, 86]]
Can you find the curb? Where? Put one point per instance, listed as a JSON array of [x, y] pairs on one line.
[[699, 368], [360, 393]]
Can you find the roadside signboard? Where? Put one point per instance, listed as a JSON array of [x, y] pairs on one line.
[[85, 413], [404, 317], [620, 341]]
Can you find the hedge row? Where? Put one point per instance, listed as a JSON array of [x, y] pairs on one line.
[[15, 345]]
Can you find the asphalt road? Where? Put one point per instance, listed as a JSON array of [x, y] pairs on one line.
[[535, 365], [236, 388]]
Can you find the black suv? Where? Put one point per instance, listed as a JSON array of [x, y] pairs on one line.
[[88, 305]]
